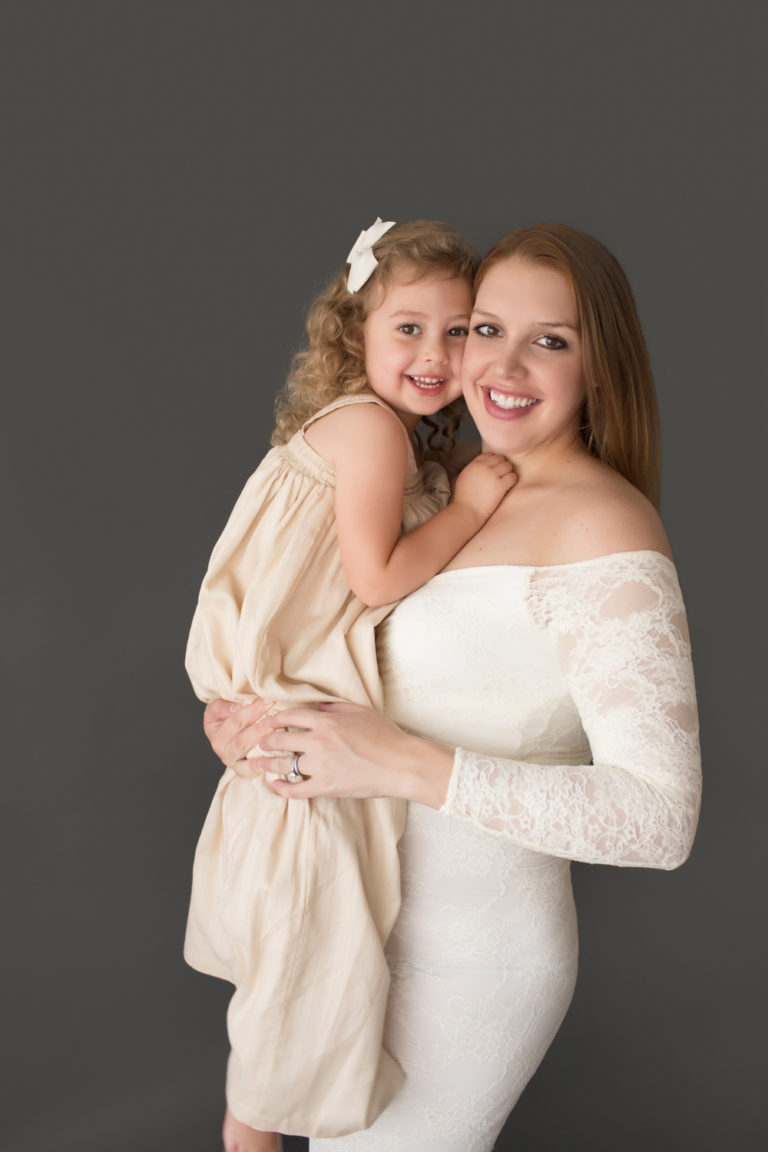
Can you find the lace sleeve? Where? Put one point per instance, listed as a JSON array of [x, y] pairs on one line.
[[618, 627]]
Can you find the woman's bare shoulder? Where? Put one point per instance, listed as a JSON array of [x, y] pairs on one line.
[[605, 513]]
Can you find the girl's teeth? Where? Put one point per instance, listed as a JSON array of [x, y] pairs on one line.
[[504, 401], [427, 381]]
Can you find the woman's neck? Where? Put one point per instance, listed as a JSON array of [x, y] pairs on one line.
[[547, 463]]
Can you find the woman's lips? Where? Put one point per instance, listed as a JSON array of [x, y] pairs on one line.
[[507, 405]]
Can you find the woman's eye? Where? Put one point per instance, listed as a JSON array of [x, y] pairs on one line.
[[552, 343], [459, 330], [487, 330], [409, 329]]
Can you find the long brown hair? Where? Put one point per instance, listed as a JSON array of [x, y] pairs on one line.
[[333, 362], [621, 421]]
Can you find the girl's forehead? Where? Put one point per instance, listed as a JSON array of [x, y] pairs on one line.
[[430, 283]]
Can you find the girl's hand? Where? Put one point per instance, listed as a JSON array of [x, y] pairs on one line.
[[484, 483], [231, 728], [348, 750]]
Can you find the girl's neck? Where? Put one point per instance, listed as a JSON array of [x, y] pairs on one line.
[[409, 420]]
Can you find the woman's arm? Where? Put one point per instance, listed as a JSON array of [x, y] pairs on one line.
[[619, 630], [367, 447]]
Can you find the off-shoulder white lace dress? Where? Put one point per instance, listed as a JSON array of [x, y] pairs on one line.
[[573, 688]]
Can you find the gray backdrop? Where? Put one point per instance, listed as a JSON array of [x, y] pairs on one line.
[[178, 180]]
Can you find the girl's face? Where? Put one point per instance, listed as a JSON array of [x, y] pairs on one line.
[[523, 374], [414, 342]]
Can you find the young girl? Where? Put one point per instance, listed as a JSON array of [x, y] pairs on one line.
[[293, 902]]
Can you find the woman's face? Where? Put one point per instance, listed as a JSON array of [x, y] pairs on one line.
[[522, 374]]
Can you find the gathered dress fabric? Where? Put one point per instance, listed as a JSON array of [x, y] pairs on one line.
[[568, 694], [293, 900]]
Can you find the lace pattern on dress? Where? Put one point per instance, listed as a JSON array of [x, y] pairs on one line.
[[618, 627]]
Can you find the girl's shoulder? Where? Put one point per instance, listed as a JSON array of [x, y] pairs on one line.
[[357, 423]]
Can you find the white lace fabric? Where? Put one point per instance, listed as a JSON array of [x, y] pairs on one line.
[[538, 671], [618, 628]]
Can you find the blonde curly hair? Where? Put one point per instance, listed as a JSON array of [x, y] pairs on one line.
[[333, 362]]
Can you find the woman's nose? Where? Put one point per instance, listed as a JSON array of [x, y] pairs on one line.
[[509, 362]]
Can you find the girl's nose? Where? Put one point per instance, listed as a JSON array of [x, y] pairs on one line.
[[435, 352]]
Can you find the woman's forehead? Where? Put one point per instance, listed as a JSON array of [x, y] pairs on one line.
[[520, 283]]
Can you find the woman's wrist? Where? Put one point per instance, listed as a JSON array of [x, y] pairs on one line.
[[426, 769]]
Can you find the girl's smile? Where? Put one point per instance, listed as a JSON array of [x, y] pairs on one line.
[[414, 342]]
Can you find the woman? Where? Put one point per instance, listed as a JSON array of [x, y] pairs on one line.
[[539, 698]]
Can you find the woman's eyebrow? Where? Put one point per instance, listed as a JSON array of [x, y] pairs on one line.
[[534, 324]]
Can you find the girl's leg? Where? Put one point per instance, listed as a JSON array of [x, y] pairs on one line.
[[239, 1137]]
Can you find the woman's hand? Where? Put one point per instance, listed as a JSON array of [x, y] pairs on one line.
[[231, 730], [344, 750]]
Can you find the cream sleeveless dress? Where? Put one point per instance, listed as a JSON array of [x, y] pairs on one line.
[[292, 901]]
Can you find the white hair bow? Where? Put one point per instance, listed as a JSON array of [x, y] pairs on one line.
[[361, 259]]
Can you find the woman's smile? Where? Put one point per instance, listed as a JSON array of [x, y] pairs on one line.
[[512, 406], [522, 373]]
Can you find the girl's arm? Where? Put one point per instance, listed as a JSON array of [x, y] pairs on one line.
[[366, 445]]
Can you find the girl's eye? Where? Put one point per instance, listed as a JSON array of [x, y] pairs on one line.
[[459, 330], [552, 343], [486, 330], [409, 329]]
